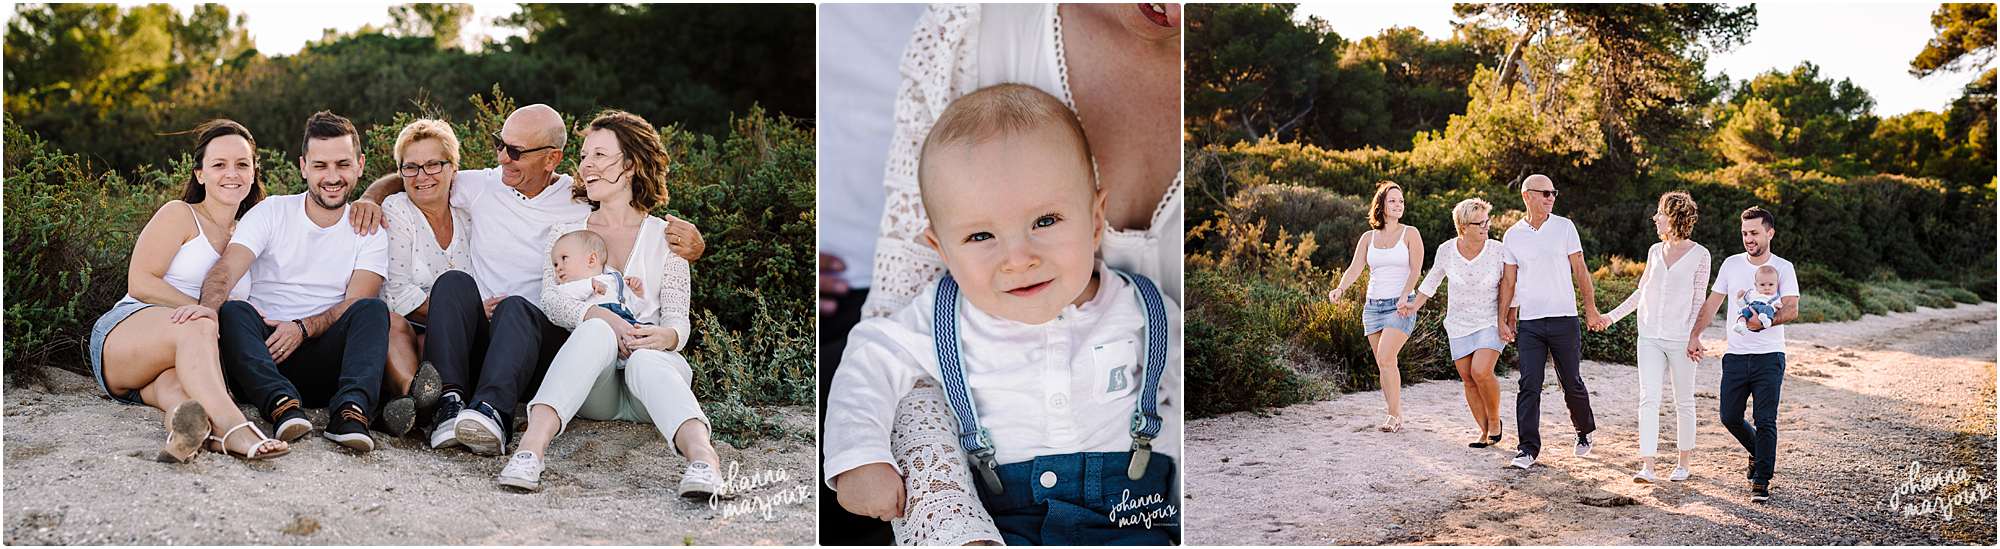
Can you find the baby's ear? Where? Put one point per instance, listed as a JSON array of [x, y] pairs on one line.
[[931, 239], [1097, 217]]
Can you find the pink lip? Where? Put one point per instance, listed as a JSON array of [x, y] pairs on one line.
[[1031, 289]]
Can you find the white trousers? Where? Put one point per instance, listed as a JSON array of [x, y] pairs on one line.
[[584, 381], [1658, 358]]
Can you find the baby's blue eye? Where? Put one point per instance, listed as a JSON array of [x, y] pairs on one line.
[[1047, 220], [979, 237]]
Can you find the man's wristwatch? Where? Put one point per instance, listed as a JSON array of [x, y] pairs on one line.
[[302, 327]]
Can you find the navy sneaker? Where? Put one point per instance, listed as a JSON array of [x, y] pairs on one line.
[[444, 421], [350, 428], [480, 430]]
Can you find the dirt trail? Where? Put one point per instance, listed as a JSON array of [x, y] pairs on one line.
[[79, 470], [1862, 401]]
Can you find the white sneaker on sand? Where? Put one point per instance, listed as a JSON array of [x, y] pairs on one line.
[[700, 480], [1645, 476], [1522, 461], [1680, 473], [523, 471]]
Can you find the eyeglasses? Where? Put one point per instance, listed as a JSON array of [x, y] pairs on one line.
[[1476, 223], [433, 167], [1551, 193], [513, 152]]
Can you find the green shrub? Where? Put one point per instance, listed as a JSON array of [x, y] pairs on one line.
[[1231, 353], [1827, 307]]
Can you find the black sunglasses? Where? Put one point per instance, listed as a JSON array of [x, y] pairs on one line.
[[513, 152], [1548, 193]]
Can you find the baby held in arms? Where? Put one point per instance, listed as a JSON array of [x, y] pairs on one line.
[[579, 261]]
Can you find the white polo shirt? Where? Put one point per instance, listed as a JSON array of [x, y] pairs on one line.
[[1064, 386], [302, 268], [1543, 287], [510, 231], [1737, 273]]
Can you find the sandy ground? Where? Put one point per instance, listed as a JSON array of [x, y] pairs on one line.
[[1862, 401], [79, 470]]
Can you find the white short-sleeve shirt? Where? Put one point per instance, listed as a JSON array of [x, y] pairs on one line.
[[1542, 284], [509, 230], [302, 268], [1737, 273]]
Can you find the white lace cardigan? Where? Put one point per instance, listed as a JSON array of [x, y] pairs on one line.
[[955, 49]]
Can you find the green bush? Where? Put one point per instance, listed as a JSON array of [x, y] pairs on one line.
[[1828, 307], [1231, 353]]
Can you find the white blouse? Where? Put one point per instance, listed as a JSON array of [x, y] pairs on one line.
[[415, 261], [956, 49], [1669, 298], [1475, 286], [662, 274], [1063, 386]]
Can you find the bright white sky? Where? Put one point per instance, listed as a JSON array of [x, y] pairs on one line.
[[1869, 44], [284, 28]]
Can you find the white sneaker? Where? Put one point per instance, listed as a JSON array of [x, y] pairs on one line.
[[523, 471], [1645, 476], [1522, 461], [1680, 473], [480, 434], [700, 480], [1583, 445]]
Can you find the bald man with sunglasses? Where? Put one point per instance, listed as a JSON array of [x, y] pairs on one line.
[[487, 336]]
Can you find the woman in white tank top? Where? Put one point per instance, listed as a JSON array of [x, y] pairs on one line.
[[1393, 254], [157, 346]]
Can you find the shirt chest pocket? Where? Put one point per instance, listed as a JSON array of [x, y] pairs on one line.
[[1115, 368]]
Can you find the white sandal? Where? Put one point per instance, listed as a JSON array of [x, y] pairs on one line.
[[256, 452], [188, 425]]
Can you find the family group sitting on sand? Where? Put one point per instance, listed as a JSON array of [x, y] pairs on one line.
[[486, 286], [1523, 290]]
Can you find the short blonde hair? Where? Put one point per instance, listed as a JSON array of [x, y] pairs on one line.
[[1000, 110], [1681, 214], [428, 128], [589, 239], [1467, 207]]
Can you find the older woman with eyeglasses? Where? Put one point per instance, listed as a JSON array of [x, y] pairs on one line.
[[427, 237], [1474, 263]]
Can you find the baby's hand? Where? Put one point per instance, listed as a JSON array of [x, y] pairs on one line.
[[597, 285], [872, 490], [638, 287]]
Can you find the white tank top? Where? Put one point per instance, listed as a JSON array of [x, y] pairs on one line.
[[1388, 268], [192, 262]]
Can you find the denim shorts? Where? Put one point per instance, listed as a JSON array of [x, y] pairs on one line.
[[118, 313], [1377, 314], [1488, 338]]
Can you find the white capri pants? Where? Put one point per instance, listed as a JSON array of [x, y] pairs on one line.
[[584, 381], [1657, 359]]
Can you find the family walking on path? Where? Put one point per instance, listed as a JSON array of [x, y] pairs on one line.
[[1525, 290]]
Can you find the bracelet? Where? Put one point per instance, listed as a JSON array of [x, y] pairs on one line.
[[302, 327]]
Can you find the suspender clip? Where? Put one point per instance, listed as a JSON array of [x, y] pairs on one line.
[[1142, 453], [983, 460]]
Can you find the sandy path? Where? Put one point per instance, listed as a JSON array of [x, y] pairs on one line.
[[1862, 400], [79, 470]]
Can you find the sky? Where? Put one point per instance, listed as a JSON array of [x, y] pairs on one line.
[[285, 28], [1870, 44]]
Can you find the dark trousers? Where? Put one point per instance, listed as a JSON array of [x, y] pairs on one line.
[[497, 361], [1758, 378], [1536, 340], [339, 367], [1084, 499], [836, 525]]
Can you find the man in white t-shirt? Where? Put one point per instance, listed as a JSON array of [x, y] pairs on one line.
[[487, 336], [1753, 369], [1538, 291], [312, 331]]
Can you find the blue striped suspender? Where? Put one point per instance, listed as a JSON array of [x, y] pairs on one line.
[[978, 442]]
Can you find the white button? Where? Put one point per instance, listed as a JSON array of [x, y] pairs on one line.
[[1048, 479], [1059, 401]]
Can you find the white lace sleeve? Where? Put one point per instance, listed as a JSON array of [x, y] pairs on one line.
[[672, 296], [936, 69], [942, 507], [400, 289], [563, 311]]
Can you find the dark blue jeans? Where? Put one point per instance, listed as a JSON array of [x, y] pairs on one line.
[[1075, 499], [496, 361], [1536, 341], [341, 366], [1754, 378]]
